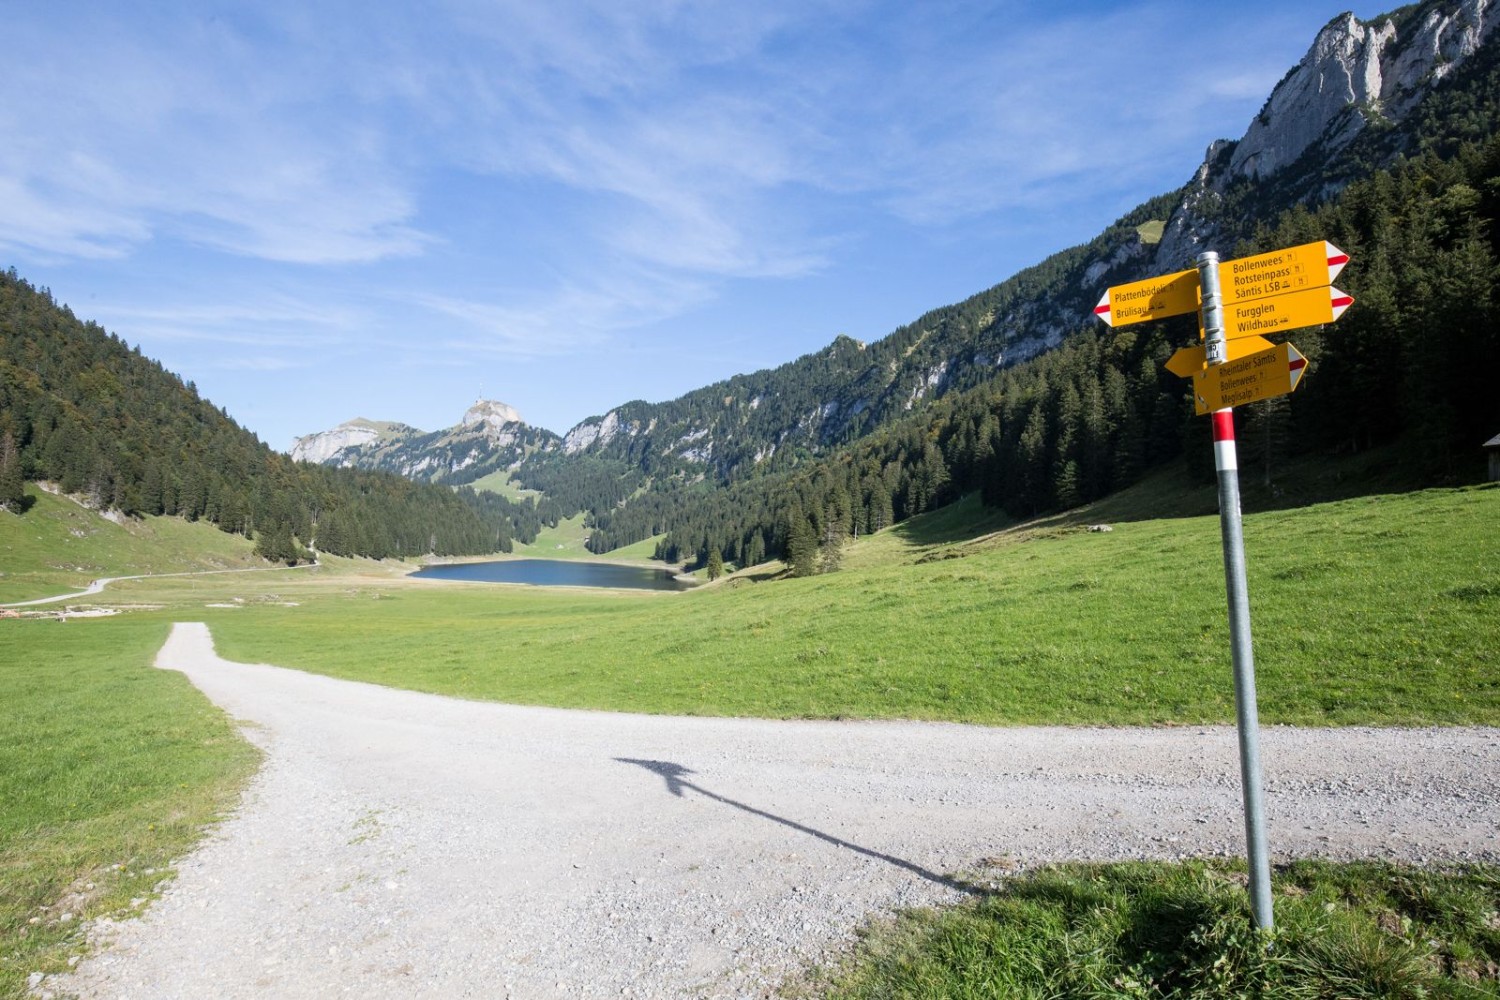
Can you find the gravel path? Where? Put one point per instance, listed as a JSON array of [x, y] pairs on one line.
[[97, 586], [407, 845]]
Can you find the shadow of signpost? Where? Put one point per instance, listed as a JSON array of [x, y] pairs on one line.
[[676, 778]]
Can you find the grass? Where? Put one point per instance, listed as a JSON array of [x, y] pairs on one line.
[[1184, 930], [566, 541], [109, 769], [1151, 232], [1378, 610], [500, 482], [1374, 610], [642, 551], [59, 546]]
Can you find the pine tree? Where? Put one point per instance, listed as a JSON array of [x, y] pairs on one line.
[[12, 481], [801, 546], [755, 549], [715, 563]]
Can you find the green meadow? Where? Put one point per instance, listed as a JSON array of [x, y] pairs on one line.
[[59, 546], [1374, 610], [109, 770], [1380, 610], [1181, 930]]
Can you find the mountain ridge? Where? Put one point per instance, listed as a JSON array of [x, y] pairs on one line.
[[490, 437], [1354, 103]]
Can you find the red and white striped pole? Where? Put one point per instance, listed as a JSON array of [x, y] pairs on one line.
[[1231, 527]]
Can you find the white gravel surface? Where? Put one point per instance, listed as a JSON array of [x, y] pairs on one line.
[[406, 845]]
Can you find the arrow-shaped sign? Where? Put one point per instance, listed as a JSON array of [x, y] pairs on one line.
[[1154, 298], [1281, 313], [1262, 375], [1248, 279], [1189, 361], [1293, 269]]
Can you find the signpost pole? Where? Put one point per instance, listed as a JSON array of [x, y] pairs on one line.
[[1227, 464]]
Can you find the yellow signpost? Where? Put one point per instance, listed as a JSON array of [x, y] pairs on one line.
[[1236, 302], [1281, 313], [1189, 361], [1154, 298], [1264, 374], [1293, 269]]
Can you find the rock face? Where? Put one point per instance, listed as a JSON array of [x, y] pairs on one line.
[[492, 414], [599, 431], [490, 437], [340, 445], [1355, 74]]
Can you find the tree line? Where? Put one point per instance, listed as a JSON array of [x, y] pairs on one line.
[[1409, 366], [80, 407]]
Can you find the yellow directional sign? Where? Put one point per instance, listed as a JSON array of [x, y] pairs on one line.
[[1189, 361], [1281, 313], [1293, 269], [1267, 293], [1154, 298], [1262, 375]]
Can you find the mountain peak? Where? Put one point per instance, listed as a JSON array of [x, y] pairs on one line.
[[329, 447], [492, 412], [1356, 72]]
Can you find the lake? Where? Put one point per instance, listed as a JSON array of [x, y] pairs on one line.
[[556, 573]]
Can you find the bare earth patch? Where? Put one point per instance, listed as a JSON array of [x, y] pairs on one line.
[[406, 845]]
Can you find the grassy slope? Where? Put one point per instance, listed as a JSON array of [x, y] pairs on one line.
[[58, 546], [109, 769], [500, 482], [566, 541], [1380, 609]]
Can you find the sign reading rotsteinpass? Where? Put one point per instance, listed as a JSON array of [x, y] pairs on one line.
[[1293, 269], [1280, 272]]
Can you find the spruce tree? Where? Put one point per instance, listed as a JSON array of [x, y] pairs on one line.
[[12, 482], [801, 546]]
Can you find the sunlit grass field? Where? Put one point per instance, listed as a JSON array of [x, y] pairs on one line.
[[1181, 930], [109, 769], [59, 546], [1377, 610]]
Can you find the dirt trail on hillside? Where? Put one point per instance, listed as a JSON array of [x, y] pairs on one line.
[[406, 845]]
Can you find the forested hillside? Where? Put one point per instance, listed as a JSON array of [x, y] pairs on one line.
[[1431, 95], [80, 407], [1411, 366]]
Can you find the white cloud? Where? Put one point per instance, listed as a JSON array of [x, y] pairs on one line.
[[560, 322], [270, 320], [678, 146], [257, 363], [138, 127]]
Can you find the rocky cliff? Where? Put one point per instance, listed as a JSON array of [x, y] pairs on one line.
[[1354, 76], [490, 437], [343, 445]]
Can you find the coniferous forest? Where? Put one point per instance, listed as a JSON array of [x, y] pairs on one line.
[[81, 408], [1408, 368]]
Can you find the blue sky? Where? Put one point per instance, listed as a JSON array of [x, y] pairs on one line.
[[317, 211]]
